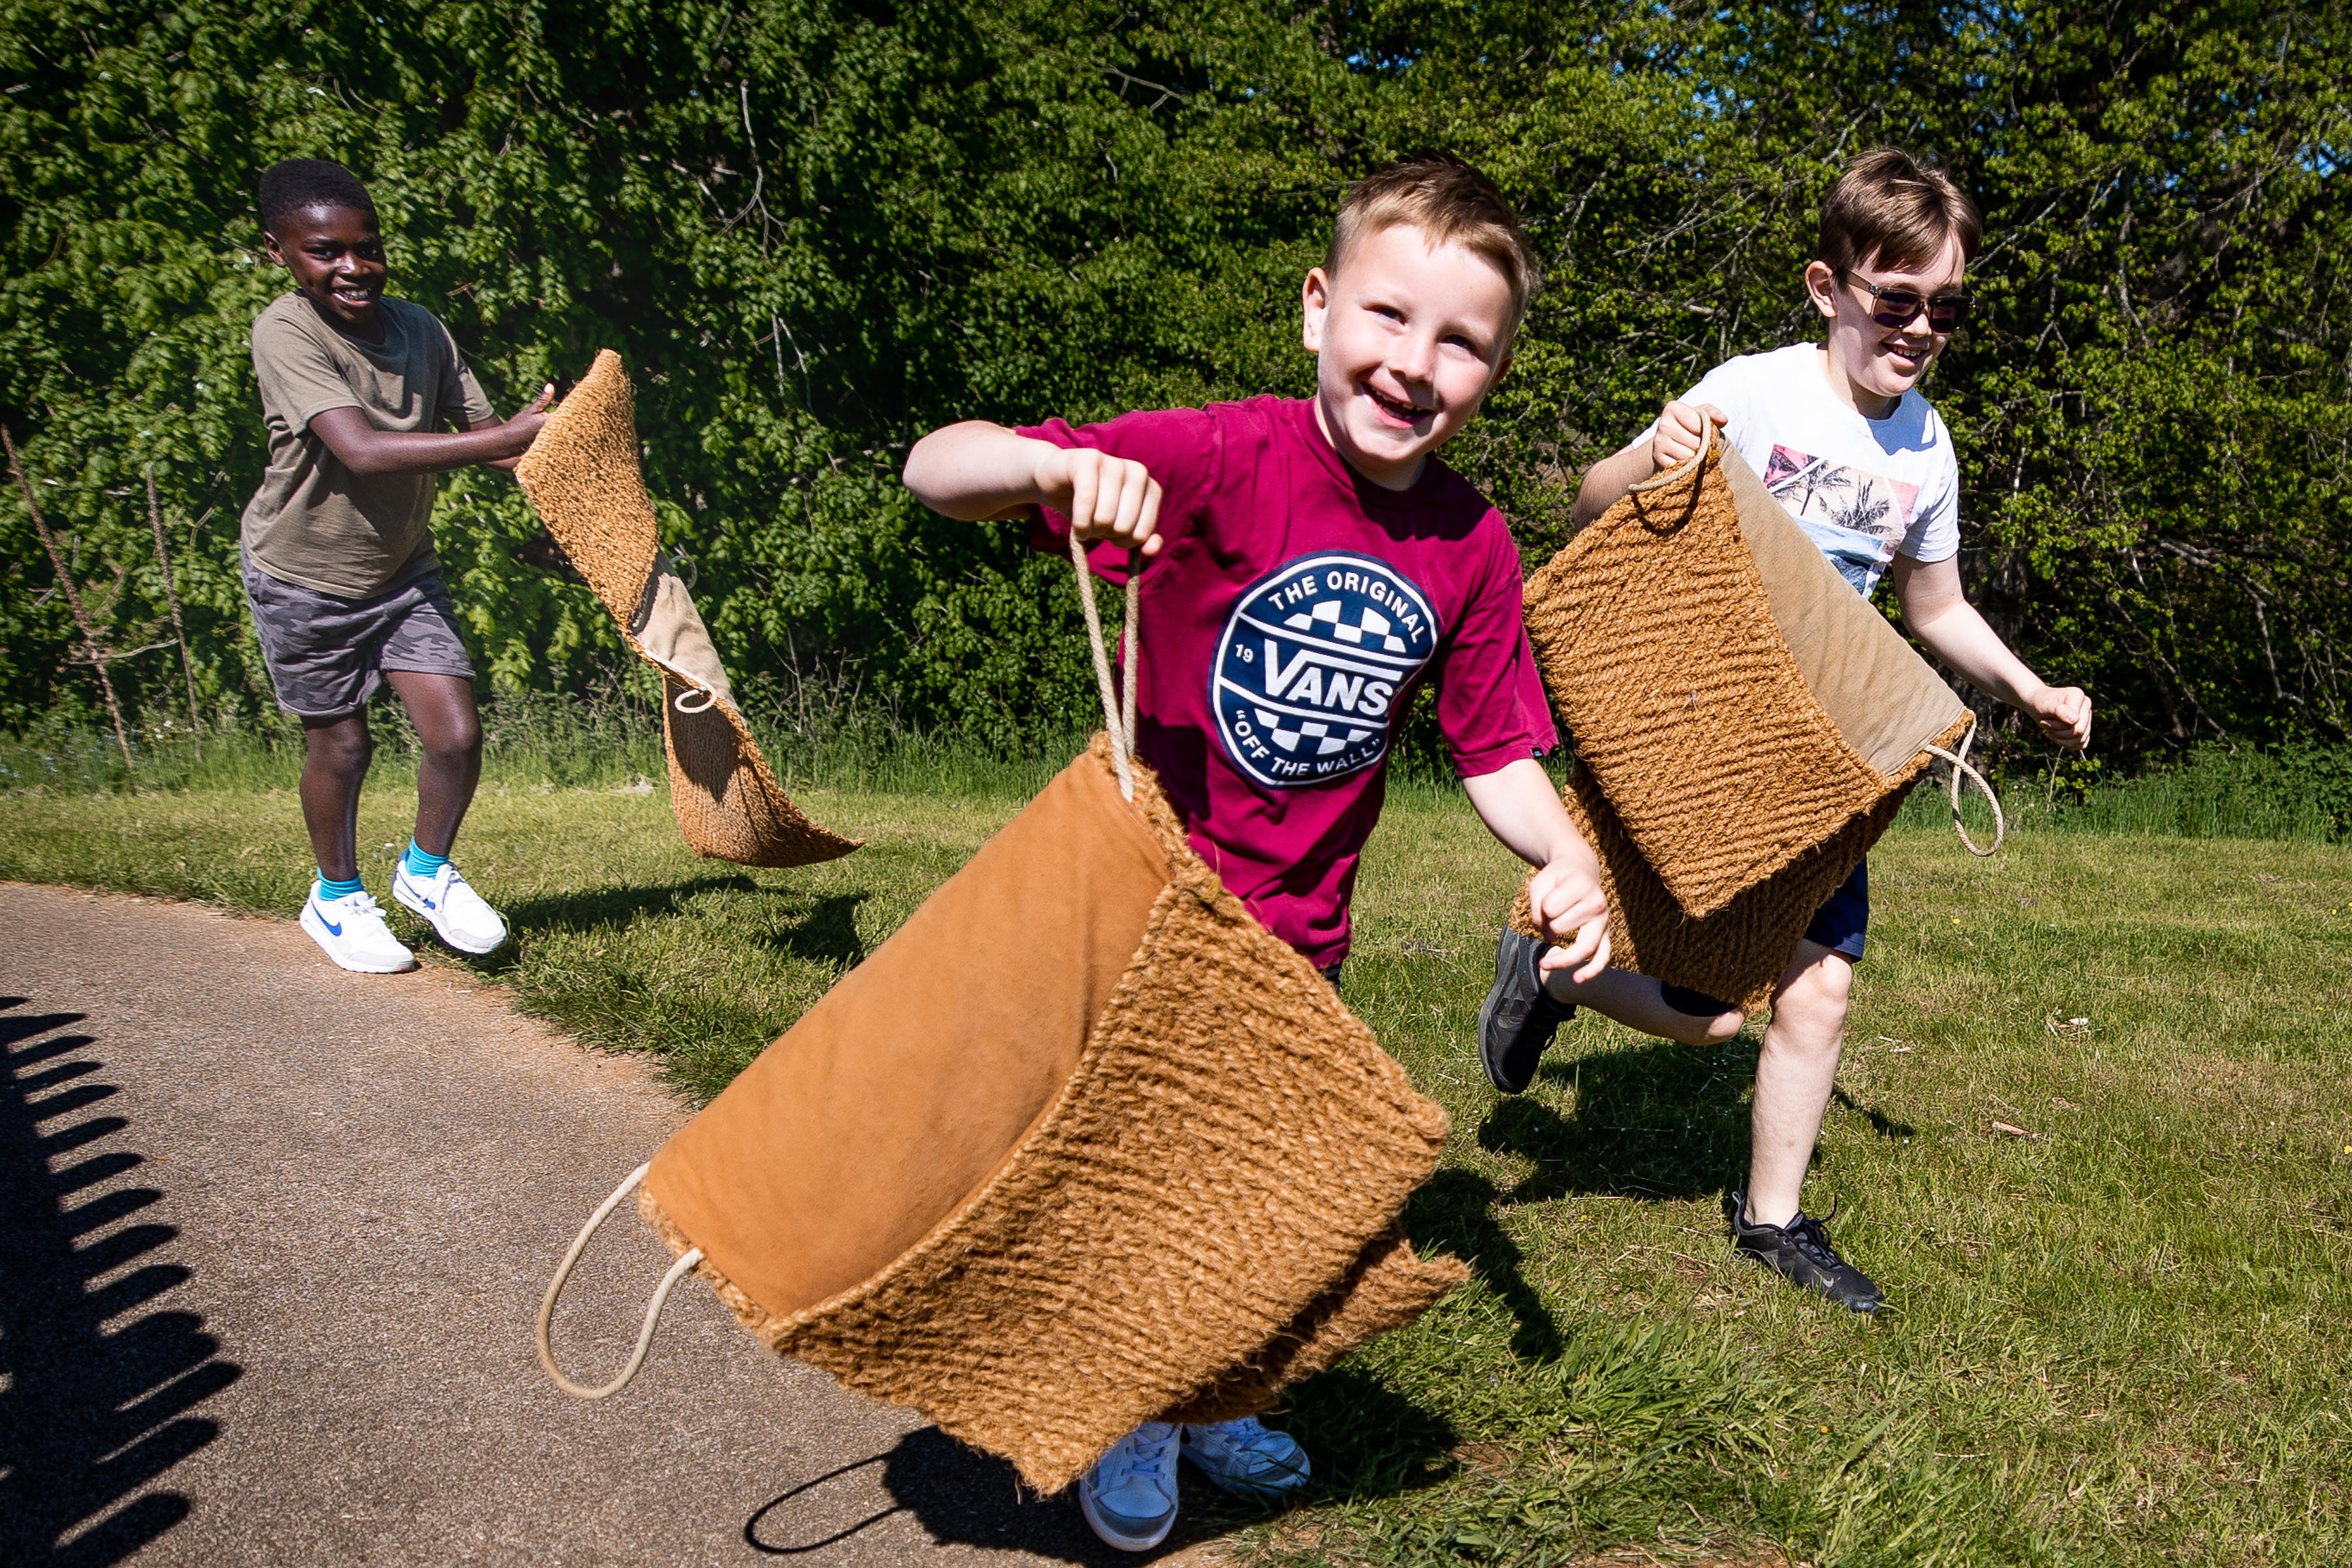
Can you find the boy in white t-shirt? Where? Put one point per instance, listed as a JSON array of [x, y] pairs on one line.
[[1844, 441]]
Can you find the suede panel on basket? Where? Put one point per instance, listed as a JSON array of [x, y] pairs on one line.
[[581, 474], [1726, 755], [1081, 1145]]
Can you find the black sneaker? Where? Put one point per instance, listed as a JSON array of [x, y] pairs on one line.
[[1518, 1018], [1802, 1250]]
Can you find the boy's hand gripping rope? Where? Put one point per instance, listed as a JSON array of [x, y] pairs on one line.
[[1959, 760]]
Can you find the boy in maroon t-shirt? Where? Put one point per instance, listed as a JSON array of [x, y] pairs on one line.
[[1306, 564]]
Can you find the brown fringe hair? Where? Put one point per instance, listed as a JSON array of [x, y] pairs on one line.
[[1449, 203], [1891, 211]]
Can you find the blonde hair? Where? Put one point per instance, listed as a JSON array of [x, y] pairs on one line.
[[1892, 211], [1449, 203]]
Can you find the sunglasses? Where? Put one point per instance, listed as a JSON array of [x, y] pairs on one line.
[[1895, 307]]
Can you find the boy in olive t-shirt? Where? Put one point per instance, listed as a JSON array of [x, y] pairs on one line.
[[338, 550]]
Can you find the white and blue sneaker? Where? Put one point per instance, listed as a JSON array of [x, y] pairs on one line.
[[1246, 1459], [457, 912], [352, 931], [1130, 1497]]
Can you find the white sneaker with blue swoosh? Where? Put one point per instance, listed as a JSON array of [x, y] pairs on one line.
[[450, 905], [352, 931]]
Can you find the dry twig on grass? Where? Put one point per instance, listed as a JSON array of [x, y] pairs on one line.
[[172, 595], [99, 654]]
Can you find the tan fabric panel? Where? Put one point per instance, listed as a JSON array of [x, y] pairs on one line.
[[1886, 700], [1206, 1212], [897, 1095], [669, 630]]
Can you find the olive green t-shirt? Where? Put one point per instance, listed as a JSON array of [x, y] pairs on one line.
[[313, 521]]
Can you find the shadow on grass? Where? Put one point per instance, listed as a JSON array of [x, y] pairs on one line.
[[1656, 1120], [1648, 1119], [825, 931], [592, 908]]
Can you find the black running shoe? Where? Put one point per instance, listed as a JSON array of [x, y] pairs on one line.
[[1802, 1250], [1519, 1019]]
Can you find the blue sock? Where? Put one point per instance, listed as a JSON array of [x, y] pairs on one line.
[[338, 887], [420, 864]]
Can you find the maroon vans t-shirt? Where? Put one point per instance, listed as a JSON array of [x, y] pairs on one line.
[[1290, 614]]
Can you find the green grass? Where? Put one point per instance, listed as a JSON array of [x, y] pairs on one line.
[[2121, 1340]]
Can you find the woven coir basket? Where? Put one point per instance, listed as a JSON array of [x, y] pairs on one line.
[[1745, 724], [1081, 1145], [581, 473]]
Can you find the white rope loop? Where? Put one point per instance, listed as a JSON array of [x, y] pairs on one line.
[[1117, 705], [1961, 768], [677, 1271], [709, 700]]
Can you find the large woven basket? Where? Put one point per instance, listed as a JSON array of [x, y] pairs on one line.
[[1746, 725], [583, 475], [1081, 1145]]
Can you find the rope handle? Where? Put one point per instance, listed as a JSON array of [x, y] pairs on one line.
[[1707, 438], [1960, 769], [1118, 704], [709, 700], [677, 1271]]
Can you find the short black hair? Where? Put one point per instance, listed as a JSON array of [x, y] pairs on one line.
[[298, 182]]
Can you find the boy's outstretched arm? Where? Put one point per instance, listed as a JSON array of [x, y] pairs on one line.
[[977, 470], [1938, 614], [1519, 806], [366, 450]]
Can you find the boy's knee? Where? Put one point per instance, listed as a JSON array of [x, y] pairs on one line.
[[1820, 989], [345, 747], [459, 740]]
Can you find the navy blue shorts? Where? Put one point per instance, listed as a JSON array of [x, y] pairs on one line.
[[1839, 924]]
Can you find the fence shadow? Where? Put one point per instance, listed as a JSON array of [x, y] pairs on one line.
[[91, 1415]]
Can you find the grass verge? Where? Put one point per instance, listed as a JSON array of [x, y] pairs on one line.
[[2120, 1335]]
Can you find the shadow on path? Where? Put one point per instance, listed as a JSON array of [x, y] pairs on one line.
[[962, 1496], [91, 1413]]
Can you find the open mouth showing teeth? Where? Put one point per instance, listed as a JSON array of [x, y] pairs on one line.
[[1396, 408]]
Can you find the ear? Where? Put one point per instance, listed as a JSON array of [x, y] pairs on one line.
[[270, 248], [1821, 287], [1315, 303]]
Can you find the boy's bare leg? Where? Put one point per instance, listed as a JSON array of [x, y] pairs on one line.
[[1636, 1002], [449, 727], [1794, 1076], [335, 761]]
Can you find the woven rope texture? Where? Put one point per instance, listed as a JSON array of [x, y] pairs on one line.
[[1206, 1212], [1654, 633], [583, 476]]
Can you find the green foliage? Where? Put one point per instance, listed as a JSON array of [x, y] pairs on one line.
[[815, 229]]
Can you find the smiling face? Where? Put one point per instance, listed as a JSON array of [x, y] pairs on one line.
[[336, 256], [1408, 338], [1873, 366]]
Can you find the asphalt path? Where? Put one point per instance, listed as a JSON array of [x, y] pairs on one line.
[[272, 1240]]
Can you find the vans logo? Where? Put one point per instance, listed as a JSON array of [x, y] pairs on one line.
[[1308, 672]]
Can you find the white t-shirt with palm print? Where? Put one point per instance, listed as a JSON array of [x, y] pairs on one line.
[[1863, 489]]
